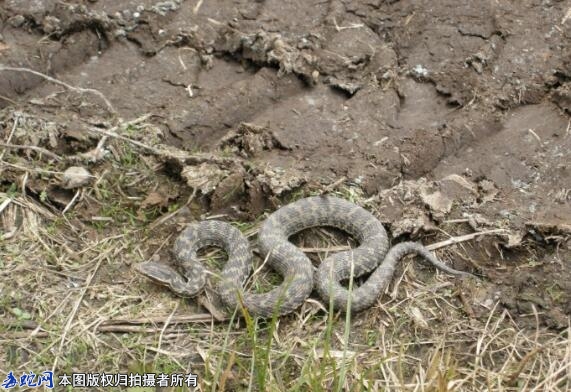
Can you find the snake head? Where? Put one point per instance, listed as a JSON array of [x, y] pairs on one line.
[[167, 276]]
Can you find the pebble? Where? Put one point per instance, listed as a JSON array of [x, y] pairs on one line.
[[119, 33], [75, 177], [17, 21], [51, 24]]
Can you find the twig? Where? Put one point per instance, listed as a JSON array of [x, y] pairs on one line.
[[333, 186], [167, 322], [101, 143], [566, 16], [188, 319], [111, 133], [33, 148], [16, 119], [126, 328], [21, 324], [438, 245], [96, 154], [339, 248], [178, 154], [8, 100], [24, 182], [23, 335], [182, 64], [73, 200], [171, 354], [197, 7], [462, 238], [535, 135], [59, 82], [5, 204], [461, 220], [29, 169], [205, 303], [102, 329], [37, 330]]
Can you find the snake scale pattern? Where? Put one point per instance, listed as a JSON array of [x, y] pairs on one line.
[[372, 254]]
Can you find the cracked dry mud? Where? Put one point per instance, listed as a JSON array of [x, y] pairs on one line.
[[473, 96]]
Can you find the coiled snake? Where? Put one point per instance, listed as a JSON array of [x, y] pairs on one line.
[[372, 254]]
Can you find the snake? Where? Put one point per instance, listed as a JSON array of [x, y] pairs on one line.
[[373, 255]]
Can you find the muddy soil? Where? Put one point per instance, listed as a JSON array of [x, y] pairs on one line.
[[440, 111]]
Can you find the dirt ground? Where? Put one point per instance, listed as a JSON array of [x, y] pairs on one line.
[[445, 118]]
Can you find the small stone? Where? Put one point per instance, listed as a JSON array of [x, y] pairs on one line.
[[315, 76], [119, 33], [17, 21], [75, 177], [420, 71], [51, 24]]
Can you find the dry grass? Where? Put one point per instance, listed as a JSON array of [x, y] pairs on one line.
[[70, 301]]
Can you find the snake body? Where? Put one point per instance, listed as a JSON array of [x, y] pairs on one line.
[[372, 254]]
